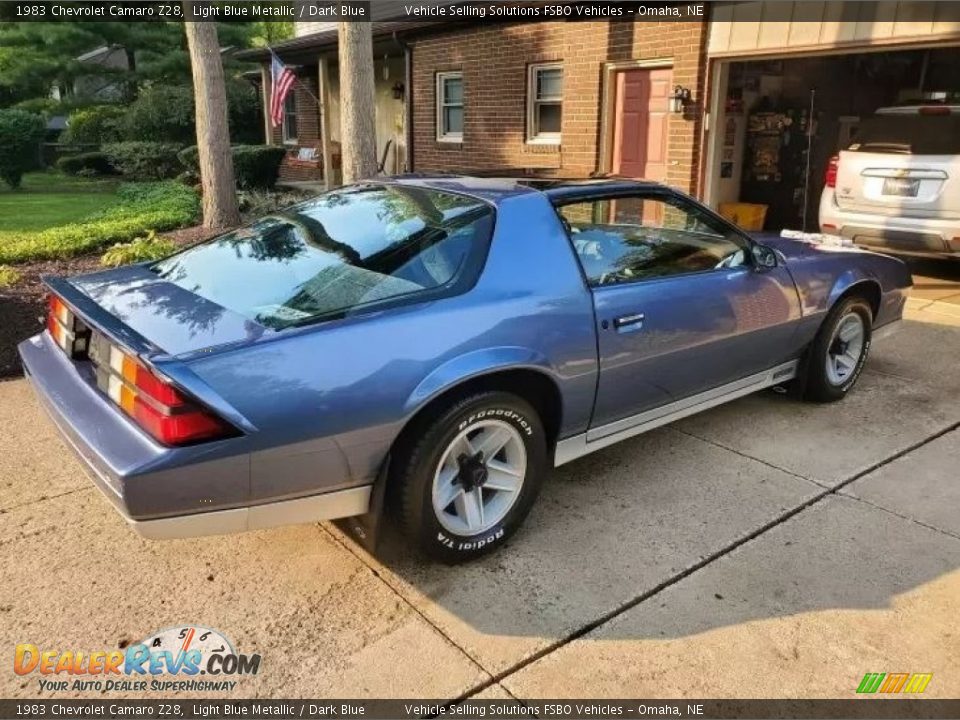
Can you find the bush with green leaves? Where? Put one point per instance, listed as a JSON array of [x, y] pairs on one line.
[[255, 166], [21, 133], [145, 160], [94, 125], [8, 276], [142, 207], [166, 113], [91, 163], [149, 247]]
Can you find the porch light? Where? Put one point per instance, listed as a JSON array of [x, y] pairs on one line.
[[679, 99], [398, 90]]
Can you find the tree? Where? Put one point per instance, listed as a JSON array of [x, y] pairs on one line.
[[220, 207], [20, 136], [35, 57], [358, 137]]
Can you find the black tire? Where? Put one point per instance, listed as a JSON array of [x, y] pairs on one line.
[[417, 462], [819, 387]]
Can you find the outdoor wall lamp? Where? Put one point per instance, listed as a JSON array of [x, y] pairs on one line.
[[679, 99], [398, 90]]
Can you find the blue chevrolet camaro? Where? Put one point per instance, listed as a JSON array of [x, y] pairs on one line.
[[437, 341]]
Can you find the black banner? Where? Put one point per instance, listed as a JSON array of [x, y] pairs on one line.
[[346, 10], [509, 709]]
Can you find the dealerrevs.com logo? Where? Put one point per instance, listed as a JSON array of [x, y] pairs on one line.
[[170, 660]]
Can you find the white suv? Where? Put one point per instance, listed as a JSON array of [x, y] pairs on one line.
[[897, 187]]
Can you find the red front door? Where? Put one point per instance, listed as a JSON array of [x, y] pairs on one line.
[[641, 121]]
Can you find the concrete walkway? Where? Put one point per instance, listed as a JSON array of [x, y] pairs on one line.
[[768, 548]]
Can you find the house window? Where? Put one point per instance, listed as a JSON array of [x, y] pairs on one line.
[[290, 117], [544, 103], [450, 107]]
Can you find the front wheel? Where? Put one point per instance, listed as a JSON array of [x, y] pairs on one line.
[[469, 478], [839, 351]]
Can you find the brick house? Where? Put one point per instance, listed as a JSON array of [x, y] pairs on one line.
[[553, 99]]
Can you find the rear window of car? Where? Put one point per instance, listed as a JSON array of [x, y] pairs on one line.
[[909, 134], [346, 251]]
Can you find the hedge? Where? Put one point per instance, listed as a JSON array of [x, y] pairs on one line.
[[20, 136], [91, 163], [143, 207], [145, 160], [255, 166], [93, 125]]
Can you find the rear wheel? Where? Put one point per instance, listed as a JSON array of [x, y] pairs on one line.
[[839, 351], [468, 479]]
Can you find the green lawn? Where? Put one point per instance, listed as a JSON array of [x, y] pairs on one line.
[[50, 199]]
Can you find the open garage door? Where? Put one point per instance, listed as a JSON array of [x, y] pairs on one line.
[[777, 122]]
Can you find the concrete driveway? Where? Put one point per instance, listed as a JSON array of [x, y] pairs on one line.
[[766, 549]]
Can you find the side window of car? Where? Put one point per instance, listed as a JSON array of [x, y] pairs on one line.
[[634, 238]]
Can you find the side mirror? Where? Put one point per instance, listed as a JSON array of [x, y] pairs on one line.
[[764, 258]]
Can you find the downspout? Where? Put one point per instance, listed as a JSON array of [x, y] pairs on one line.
[[407, 100]]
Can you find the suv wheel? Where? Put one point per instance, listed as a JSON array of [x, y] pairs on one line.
[[469, 478]]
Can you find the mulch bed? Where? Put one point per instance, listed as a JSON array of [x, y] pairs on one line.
[[23, 306]]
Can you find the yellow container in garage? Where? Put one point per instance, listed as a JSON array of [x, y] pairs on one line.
[[746, 216]]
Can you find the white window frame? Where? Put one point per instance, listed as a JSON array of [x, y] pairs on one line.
[[292, 99], [442, 136], [533, 136]]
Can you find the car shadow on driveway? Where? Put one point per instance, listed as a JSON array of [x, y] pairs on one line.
[[612, 531]]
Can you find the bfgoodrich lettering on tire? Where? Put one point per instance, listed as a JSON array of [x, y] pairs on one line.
[[467, 480], [839, 351]]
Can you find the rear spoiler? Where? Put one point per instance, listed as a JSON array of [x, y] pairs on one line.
[[91, 313]]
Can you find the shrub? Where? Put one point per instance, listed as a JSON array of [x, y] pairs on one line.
[[8, 276], [142, 249], [143, 207], [43, 106], [20, 136], [91, 163], [145, 160], [166, 113], [93, 125], [255, 166]]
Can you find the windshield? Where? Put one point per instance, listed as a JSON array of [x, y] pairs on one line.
[[348, 250], [909, 134]]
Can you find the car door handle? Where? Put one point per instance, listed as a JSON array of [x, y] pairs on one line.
[[629, 323]]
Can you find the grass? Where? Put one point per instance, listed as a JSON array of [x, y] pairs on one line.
[[47, 200], [127, 210]]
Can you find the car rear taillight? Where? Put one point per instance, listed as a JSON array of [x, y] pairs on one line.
[[67, 331], [933, 110], [151, 401], [833, 166]]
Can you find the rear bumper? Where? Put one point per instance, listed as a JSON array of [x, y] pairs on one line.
[[161, 491], [902, 235]]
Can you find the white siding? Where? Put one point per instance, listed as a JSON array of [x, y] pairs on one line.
[[744, 28]]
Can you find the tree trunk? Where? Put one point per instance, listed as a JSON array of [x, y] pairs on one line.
[[358, 135], [220, 208]]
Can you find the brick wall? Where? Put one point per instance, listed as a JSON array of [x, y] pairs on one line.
[[308, 129], [494, 61]]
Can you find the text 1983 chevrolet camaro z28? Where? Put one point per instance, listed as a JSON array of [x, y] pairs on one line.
[[447, 339]]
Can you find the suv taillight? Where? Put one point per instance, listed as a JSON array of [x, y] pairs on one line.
[[151, 401], [833, 167], [66, 329]]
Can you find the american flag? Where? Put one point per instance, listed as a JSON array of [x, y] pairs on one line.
[[281, 80]]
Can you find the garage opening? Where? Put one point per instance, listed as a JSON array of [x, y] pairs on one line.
[[780, 121]]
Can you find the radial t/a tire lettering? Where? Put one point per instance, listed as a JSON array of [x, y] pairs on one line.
[[469, 477]]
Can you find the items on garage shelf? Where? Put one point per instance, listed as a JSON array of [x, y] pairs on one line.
[[746, 216]]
